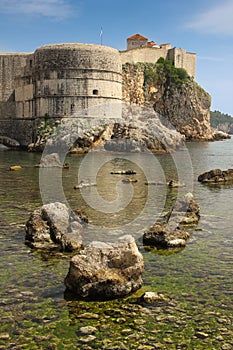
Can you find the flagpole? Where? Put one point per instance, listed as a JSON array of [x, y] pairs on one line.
[[101, 36]]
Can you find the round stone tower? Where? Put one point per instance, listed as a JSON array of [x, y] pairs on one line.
[[75, 78]]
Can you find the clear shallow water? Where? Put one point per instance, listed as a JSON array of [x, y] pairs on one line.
[[197, 281]]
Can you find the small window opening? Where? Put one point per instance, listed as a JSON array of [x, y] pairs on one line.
[[95, 92]]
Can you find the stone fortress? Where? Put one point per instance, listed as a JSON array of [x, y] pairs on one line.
[[59, 80], [65, 79], [139, 49]]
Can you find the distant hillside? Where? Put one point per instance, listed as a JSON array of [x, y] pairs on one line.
[[221, 121]]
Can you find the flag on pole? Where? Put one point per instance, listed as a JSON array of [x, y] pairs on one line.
[[101, 36]]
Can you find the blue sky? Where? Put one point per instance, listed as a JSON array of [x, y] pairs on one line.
[[201, 26]]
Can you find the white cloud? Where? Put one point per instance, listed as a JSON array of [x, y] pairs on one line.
[[216, 20], [58, 9]]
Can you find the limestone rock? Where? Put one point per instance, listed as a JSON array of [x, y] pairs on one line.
[[216, 176], [153, 297], [164, 236], [186, 107], [50, 160], [106, 271], [87, 330], [171, 231], [219, 135], [54, 224], [187, 205], [15, 167], [138, 130]]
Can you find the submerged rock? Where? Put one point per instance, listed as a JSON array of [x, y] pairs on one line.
[[15, 167], [171, 232], [220, 135], [124, 172], [106, 271], [54, 224], [216, 176], [84, 183], [164, 236], [153, 297]]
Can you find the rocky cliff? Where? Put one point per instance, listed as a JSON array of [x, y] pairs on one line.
[[139, 130], [172, 94], [221, 121]]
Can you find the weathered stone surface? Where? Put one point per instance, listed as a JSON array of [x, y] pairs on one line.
[[106, 271], [219, 135], [54, 224], [164, 236], [86, 330], [186, 107], [216, 176], [50, 160], [138, 130], [152, 297], [187, 205], [9, 142], [37, 229], [171, 232]]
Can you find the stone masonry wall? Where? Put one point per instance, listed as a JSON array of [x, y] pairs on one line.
[[11, 65], [22, 130], [67, 78], [183, 59], [144, 54], [179, 57]]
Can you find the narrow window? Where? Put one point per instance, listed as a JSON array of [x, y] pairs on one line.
[[95, 92]]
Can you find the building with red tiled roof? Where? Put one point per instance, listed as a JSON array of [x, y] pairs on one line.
[[139, 49], [135, 41]]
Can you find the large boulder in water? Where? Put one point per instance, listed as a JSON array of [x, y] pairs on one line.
[[106, 271], [171, 230], [50, 160], [162, 235], [54, 223], [216, 176]]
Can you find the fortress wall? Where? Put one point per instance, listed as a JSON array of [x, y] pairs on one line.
[[18, 129], [190, 63], [145, 54], [179, 57], [11, 65], [69, 77], [183, 59]]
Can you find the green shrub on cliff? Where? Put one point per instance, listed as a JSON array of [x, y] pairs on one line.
[[171, 75], [150, 75]]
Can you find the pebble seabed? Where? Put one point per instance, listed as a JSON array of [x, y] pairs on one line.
[[37, 313]]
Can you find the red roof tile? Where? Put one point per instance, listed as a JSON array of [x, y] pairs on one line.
[[137, 36]]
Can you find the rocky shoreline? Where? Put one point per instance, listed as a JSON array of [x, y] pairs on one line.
[[216, 176], [102, 270]]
